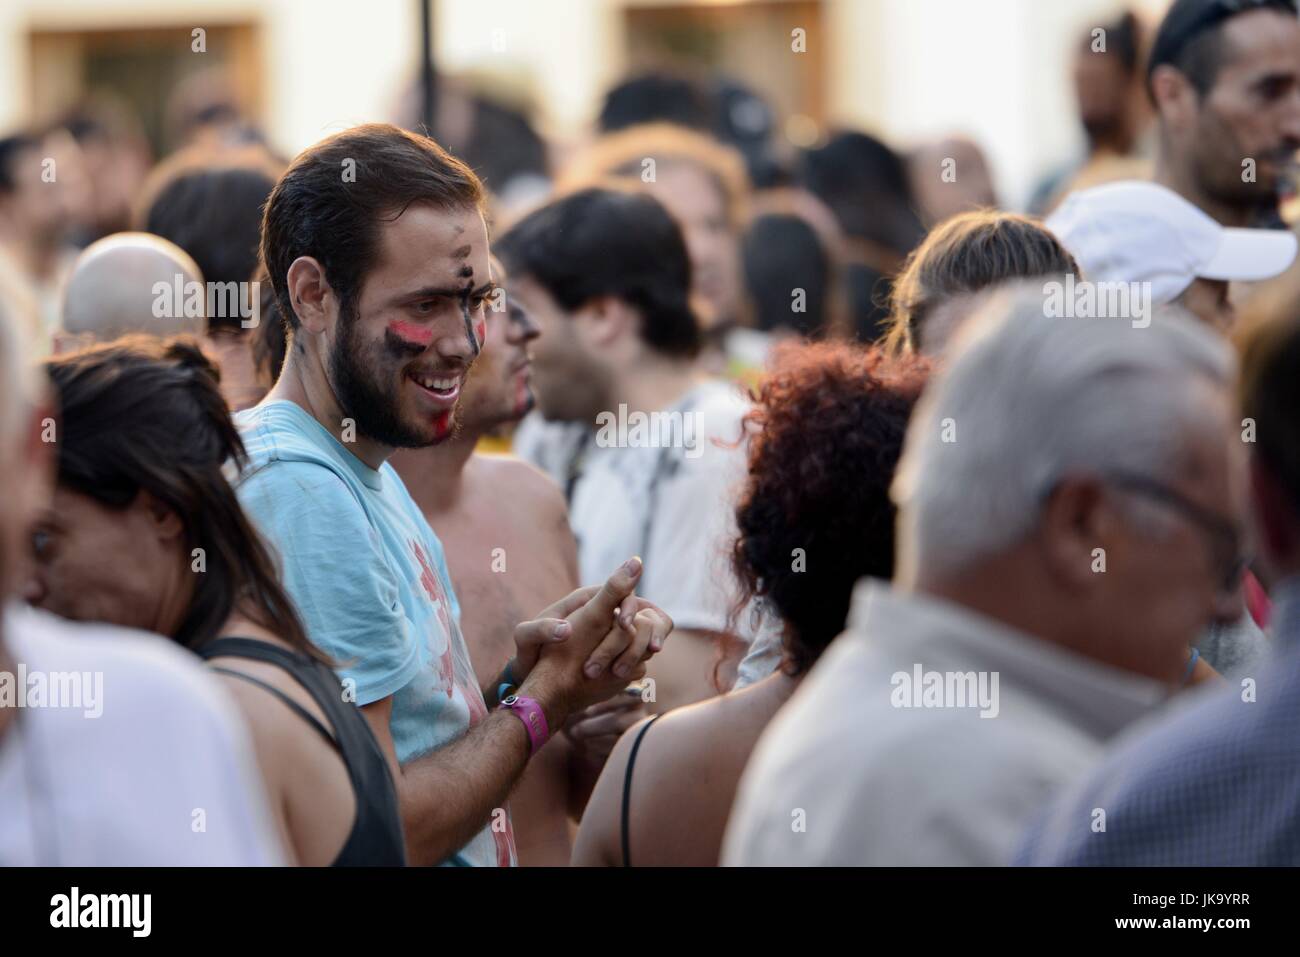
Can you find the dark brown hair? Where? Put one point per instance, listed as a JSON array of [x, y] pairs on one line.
[[610, 242], [964, 254], [146, 414], [270, 338], [826, 435], [329, 202]]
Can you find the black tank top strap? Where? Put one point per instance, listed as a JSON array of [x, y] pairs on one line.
[[624, 817], [293, 705], [376, 836]]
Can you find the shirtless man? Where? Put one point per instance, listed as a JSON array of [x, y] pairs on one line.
[[509, 547]]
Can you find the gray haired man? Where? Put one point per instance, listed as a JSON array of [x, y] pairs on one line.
[[1069, 499]]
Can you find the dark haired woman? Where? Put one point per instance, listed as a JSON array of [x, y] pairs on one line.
[[827, 432], [145, 531]]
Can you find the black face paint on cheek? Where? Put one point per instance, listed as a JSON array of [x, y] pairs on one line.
[[396, 349], [469, 324]]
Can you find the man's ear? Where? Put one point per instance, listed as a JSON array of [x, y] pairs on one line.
[[1175, 98], [1076, 530], [309, 293], [606, 320], [1277, 524]]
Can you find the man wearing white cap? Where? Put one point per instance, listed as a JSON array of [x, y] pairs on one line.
[[1136, 231], [1139, 232]]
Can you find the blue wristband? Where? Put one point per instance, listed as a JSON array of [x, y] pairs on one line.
[[507, 681], [1191, 665]]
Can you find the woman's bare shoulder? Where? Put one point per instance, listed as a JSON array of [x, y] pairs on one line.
[[696, 734]]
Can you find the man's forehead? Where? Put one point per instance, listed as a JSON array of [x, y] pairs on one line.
[[529, 292], [1262, 41], [435, 240], [688, 192]]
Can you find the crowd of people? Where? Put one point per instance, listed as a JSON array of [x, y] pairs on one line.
[[695, 501]]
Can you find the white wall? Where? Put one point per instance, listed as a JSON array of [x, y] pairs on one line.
[[328, 63], [994, 69], [569, 51]]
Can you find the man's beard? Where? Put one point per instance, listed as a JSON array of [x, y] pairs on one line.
[[373, 408], [486, 408], [1222, 180]]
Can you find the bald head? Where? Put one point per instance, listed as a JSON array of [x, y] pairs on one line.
[[951, 176], [114, 290]]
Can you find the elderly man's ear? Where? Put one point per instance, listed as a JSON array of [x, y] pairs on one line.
[[1075, 523]]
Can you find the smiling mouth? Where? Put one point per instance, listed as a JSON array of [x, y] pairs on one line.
[[441, 389]]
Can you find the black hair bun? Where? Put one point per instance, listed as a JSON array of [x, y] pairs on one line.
[[187, 353]]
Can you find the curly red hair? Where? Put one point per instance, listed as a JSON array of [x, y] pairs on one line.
[[826, 435]]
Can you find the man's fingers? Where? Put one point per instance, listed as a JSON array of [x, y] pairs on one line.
[[626, 612], [626, 609], [621, 651], [618, 586], [663, 623], [659, 626], [639, 648], [616, 640], [570, 602], [541, 631]]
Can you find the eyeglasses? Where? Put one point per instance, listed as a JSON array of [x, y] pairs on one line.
[[1222, 535]]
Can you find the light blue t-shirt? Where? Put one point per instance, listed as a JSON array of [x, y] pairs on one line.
[[369, 579]]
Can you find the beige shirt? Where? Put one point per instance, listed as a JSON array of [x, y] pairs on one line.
[[926, 735]]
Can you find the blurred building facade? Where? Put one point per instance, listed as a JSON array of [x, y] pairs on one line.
[[995, 70]]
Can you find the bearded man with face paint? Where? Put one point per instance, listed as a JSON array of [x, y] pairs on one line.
[[509, 547], [375, 244]]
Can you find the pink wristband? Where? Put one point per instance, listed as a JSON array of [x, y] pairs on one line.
[[530, 713]]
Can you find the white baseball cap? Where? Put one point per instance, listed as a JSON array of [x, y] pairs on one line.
[[1136, 231]]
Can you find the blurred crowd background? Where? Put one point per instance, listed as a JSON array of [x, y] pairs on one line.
[[843, 142], [817, 156]]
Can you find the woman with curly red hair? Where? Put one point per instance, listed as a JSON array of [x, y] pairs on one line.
[[814, 517]]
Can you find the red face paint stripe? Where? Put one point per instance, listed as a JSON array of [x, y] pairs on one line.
[[410, 333]]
